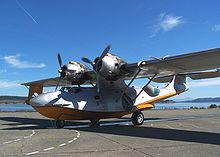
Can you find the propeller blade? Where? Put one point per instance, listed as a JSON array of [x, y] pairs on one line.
[[106, 50], [59, 59], [86, 60]]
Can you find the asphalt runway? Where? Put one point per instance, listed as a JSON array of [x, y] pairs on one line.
[[168, 133]]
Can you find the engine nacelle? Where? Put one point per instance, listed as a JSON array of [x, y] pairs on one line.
[[111, 67], [74, 72]]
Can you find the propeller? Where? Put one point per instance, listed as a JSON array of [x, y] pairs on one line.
[[96, 64], [106, 50], [59, 59], [86, 60], [63, 68], [60, 71]]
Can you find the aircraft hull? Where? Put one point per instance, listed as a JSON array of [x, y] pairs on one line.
[[64, 113]]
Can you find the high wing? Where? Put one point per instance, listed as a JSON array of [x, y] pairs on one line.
[[192, 65], [181, 64], [55, 81], [58, 81]]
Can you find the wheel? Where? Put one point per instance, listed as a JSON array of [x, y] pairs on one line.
[[94, 122], [137, 118], [60, 123]]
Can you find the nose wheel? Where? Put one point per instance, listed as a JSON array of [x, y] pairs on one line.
[[60, 123], [137, 118]]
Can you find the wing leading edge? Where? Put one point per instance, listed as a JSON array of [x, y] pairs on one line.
[[55, 81]]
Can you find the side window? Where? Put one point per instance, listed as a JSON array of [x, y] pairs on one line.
[[65, 89]]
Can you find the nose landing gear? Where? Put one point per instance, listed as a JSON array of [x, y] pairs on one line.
[[137, 118]]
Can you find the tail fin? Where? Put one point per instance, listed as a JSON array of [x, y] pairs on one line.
[[32, 90]]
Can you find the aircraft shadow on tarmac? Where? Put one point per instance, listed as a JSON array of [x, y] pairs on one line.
[[18, 123], [122, 130], [158, 133]]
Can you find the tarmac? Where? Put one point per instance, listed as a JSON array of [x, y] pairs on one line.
[[165, 133]]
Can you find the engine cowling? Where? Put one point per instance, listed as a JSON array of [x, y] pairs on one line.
[[74, 72], [110, 67], [107, 65]]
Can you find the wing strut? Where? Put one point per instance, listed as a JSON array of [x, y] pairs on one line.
[[145, 86], [134, 77]]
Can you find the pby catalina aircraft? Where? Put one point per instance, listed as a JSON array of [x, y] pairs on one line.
[[106, 95]]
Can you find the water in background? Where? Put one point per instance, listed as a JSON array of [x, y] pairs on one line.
[[184, 105], [15, 107], [24, 107]]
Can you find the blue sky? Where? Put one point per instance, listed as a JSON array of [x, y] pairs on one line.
[[32, 32]]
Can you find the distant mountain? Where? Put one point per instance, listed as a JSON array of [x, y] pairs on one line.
[[217, 99], [12, 99], [198, 100], [166, 101], [183, 99]]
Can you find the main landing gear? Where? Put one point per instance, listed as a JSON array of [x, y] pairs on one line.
[[137, 118], [60, 123]]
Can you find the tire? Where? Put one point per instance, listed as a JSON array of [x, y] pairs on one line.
[[137, 118], [94, 123], [60, 123]]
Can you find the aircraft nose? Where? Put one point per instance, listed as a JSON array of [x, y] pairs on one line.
[[37, 101], [44, 99]]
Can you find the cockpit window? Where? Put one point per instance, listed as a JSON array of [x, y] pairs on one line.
[[65, 89]]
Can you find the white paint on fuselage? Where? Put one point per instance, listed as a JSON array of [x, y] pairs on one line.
[[88, 99], [81, 104]]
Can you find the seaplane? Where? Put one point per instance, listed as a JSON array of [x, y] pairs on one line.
[[105, 89]]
